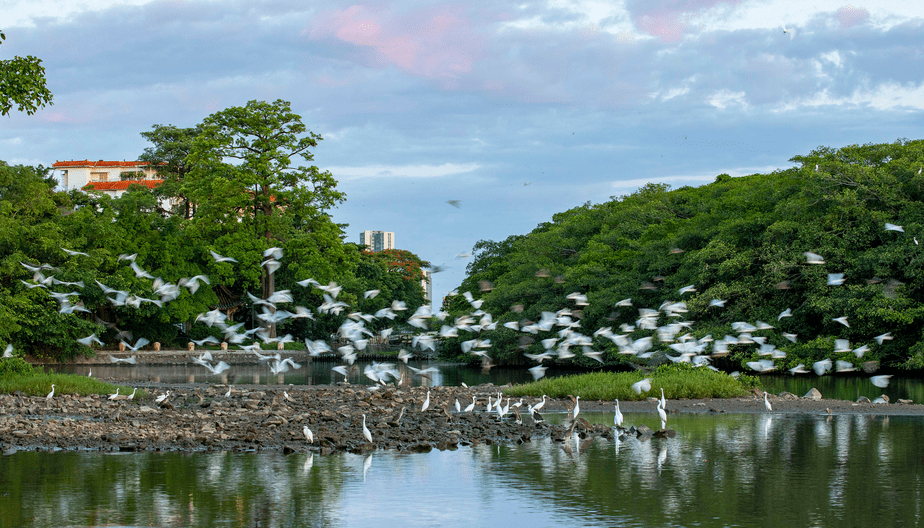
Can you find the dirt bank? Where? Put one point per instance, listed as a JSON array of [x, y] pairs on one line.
[[256, 418]]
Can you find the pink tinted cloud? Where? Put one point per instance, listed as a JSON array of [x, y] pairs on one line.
[[437, 43], [849, 16], [666, 19]]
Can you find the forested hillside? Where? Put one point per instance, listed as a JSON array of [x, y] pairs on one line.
[[741, 244]]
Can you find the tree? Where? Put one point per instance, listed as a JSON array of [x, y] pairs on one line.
[[22, 83], [243, 181], [172, 146]]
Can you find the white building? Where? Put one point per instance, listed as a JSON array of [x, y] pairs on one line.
[[377, 241], [111, 177], [427, 284]]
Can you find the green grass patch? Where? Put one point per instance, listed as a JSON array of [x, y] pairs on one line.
[[679, 381], [18, 375]]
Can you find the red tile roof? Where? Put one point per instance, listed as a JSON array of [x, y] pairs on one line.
[[121, 185], [100, 163]]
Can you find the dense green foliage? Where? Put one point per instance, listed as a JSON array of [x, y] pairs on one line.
[[741, 240], [206, 205], [678, 381], [22, 84]]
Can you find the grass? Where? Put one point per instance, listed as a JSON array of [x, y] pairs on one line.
[[18, 375], [679, 382]]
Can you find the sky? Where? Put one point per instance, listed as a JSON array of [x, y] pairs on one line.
[[518, 110]]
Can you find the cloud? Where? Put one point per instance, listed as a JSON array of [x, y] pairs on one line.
[[849, 16], [669, 21], [401, 171], [437, 42]]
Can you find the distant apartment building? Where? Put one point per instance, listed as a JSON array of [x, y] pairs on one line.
[[427, 284], [111, 177], [377, 240]]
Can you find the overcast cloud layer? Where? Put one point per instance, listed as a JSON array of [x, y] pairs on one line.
[[518, 110]]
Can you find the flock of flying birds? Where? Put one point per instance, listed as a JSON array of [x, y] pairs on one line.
[[564, 339]]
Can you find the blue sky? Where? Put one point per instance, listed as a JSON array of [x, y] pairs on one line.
[[518, 110]]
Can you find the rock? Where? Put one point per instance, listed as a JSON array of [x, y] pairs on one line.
[[905, 402], [813, 394], [788, 396], [643, 430], [862, 399]]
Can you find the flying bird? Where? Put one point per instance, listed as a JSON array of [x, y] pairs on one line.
[[219, 258], [893, 227], [842, 320], [813, 258], [455, 203]]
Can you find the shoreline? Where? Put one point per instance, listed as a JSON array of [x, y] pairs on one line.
[[200, 417]]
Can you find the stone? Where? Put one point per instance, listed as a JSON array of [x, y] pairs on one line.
[[862, 399], [905, 402], [788, 396], [813, 394]]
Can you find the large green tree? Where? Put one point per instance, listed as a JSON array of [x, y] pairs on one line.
[[22, 84], [250, 192]]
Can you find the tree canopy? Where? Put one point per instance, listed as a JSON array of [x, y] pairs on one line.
[[738, 241], [22, 84]]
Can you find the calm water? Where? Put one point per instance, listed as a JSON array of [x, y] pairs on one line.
[[724, 470], [839, 386]]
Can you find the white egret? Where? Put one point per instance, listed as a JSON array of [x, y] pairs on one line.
[[642, 386], [458, 406], [767, 403], [116, 395], [471, 406], [663, 400], [540, 404], [132, 395], [51, 394], [893, 227], [227, 394], [881, 381], [308, 434], [160, 399], [663, 415], [426, 403], [366, 432], [618, 418], [577, 407], [842, 320], [813, 258]]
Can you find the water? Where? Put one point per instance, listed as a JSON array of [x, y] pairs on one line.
[[720, 470], [840, 386]]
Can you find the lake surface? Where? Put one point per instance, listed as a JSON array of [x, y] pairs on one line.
[[837, 386], [720, 470]]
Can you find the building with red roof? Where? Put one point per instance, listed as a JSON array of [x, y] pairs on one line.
[[111, 177]]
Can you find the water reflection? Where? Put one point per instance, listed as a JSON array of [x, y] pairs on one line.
[[782, 470]]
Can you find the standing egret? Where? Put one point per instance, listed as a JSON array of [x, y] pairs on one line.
[[767, 403], [426, 403], [577, 407], [308, 434], [663, 414], [618, 418], [366, 432], [227, 394], [132, 396], [160, 399], [663, 401], [51, 394], [458, 406], [471, 406], [116, 395]]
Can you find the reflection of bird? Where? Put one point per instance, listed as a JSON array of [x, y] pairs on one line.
[[366, 432]]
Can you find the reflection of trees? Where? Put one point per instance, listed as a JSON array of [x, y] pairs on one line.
[[169, 489], [750, 469], [772, 470]]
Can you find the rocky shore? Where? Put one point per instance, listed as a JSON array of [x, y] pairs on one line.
[[255, 418]]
